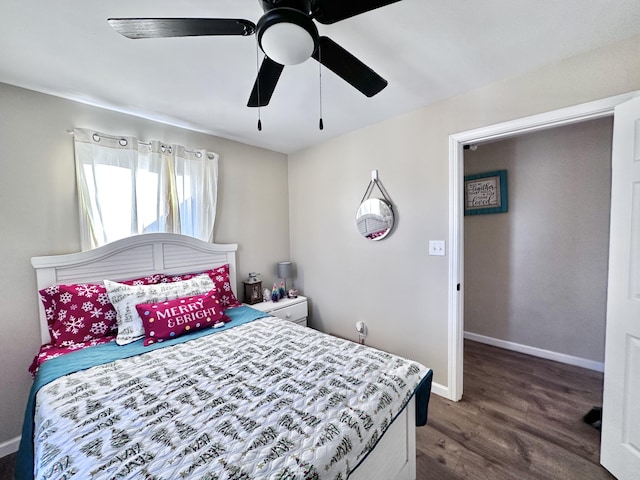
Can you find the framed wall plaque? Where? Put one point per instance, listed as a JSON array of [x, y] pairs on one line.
[[486, 193]]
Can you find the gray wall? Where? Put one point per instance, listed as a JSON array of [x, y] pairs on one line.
[[39, 213], [537, 275], [395, 286]]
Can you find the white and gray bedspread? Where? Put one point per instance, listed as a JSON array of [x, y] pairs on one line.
[[264, 400]]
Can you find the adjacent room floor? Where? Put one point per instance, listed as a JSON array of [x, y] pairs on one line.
[[520, 417]]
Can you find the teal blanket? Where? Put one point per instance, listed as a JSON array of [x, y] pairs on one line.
[[92, 356]]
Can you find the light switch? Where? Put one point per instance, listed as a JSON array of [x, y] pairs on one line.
[[437, 247]]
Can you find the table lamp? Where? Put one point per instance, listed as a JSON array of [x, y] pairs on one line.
[[284, 272]]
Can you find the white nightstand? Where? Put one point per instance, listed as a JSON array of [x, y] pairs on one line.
[[292, 309]]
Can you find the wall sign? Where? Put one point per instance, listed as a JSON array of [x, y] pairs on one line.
[[485, 193]]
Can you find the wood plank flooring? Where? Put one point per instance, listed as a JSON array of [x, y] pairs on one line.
[[7, 466], [520, 418]]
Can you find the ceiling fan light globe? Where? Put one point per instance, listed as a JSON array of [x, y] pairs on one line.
[[287, 36], [287, 43]]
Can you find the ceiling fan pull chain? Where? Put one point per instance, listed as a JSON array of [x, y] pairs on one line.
[[320, 123], [258, 85]]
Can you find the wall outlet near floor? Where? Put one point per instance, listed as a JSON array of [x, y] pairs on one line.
[[437, 247], [361, 328]]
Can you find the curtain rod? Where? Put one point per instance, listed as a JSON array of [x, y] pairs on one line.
[[123, 141]]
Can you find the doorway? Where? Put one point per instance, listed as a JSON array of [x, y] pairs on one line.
[[536, 275], [567, 116]]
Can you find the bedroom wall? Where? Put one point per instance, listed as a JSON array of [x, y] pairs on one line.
[[395, 286], [38, 214], [537, 274]]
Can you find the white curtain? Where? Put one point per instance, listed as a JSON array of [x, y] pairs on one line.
[[127, 187]]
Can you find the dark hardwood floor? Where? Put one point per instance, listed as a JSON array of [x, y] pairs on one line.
[[520, 419], [7, 466]]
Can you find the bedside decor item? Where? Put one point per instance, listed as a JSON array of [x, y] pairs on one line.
[[285, 270], [252, 289], [485, 193], [374, 217], [275, 293], [293, 293], [266, 295], [282, 293]]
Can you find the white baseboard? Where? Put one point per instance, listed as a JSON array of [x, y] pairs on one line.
[[10, 446], [537, 352], [439, 390]]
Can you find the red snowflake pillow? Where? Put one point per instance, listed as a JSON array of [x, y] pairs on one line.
[[220, 277], [170, 319], [81, 312]]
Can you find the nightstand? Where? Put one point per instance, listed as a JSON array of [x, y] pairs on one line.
[[292, 309]]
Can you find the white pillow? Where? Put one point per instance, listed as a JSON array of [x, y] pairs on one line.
[[125, 298]]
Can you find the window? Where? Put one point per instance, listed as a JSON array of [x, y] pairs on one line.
[[127, 187]]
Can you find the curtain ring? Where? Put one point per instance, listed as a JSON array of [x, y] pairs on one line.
[[122, 141]]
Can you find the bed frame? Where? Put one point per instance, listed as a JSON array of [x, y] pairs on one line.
[[394, 458]]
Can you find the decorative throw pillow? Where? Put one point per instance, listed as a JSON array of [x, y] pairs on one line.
[[81, 312], [125, 298], [220, 277], [170, 319]]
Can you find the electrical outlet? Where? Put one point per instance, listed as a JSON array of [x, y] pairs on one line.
[[361, 328], [437, 247]]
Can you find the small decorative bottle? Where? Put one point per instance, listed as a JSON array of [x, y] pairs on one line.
[[275, 293], [281, 291]]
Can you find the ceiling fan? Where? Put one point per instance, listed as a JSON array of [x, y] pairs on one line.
[[286, 34]]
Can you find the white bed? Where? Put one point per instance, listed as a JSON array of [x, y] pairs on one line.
[[394, 456]]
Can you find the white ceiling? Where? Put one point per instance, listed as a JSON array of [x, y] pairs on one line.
[[428, 50]]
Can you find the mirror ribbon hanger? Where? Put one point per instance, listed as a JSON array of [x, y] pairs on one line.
[[376, 183]]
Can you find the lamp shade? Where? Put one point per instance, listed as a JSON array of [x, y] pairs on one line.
[[284, 269]]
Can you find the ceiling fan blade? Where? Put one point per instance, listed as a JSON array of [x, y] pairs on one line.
[[331, 11], [180, 27], [348, 67], [265, 83]]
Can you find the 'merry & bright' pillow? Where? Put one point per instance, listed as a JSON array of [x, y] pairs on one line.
[[125, 298], [170, 319]]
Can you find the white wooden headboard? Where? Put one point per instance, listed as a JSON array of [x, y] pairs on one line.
[[132, 257]]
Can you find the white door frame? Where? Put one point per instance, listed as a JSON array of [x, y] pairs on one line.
[[555, 118]]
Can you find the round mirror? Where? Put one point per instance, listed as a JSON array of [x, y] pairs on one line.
[[374, 218]]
